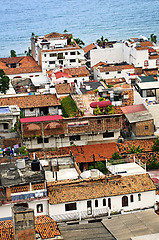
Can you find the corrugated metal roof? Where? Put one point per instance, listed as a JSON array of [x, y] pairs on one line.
[[40, 119]]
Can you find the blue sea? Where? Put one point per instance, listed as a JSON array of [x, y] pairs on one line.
[[86, 19]]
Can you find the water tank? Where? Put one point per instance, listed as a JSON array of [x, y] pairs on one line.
[[35, 165], [20, 163]]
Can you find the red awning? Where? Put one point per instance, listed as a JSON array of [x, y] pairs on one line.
[[100, 104]]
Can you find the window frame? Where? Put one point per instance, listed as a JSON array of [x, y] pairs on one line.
[[70, 206]]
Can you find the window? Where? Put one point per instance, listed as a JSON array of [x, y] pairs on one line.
[[109, 203], [104, 202], [5, 125], [39, 208], [53, 54], [75, 138], [72, 60], [146, 127], [72, 53], [157, 62], [66, 53], [117, 119], [46, 140], [139, 197], [61, 62], [36, 75], [108, 119], [107, 73], [51, 62], [89, 204], [119, 72], [31, 76], [96, 203], [31, 109], [98, 121], [108, 134], [70, 207], [39, 140], [124, 201], [146, 63], [44, 55], [131, 198]]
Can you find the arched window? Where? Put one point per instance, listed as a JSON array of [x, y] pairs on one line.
[[146, 63], [109, 203], [131, 198], [104, 202], [124, 201], [139, 197]]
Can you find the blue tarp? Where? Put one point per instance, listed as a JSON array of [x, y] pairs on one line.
[[4, 110]]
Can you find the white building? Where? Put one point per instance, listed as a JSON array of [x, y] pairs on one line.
[[54, 50], [100, 196]]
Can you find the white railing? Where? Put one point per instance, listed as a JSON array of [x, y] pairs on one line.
[[80, 215]]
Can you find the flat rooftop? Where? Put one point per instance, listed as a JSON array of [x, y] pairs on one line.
[[126, 226]]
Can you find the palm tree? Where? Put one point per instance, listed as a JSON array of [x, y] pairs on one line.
[[79, 42], [153, 38], [102, 41]]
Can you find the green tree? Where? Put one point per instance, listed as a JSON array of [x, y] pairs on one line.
[[4, 82], [153, 38], [13, 53], [79, 42], [65, 31], [28, 53], [102, 41], [100, 166], [134, 149], [155, 147], [116, 156]]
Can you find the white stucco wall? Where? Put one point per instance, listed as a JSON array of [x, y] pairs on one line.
[[57, 211]]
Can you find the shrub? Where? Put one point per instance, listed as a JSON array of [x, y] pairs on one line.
[[69, 108], [155, 147], [100, 166]]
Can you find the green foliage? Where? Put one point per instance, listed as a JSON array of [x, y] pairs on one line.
[[97, 110], [152, 164], [65, 31], [32, 34], [102, 41], [28, 53], [153, 38], [13, 53], [110, 109], [155, 147], [69, 108], [4, 82], [96, 90], [23, 151], [116, 156], [79, 42], [13, 129], [109, 86], [134, 149], [21, 114], [100, 166], [101, 99], [102, 80]]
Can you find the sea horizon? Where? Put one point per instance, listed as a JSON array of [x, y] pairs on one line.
[[87, 20]]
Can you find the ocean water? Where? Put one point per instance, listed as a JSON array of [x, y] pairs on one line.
[[86, 19]]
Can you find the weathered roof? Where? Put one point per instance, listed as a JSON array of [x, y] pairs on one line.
[[31, 101], [139, 116], [111, 68], [61, 74], [133, 108], [26, 65], [68, 191], [44, 225], [63, 88], [75, 72]]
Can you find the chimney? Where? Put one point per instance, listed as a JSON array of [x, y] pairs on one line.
[[23, 222]]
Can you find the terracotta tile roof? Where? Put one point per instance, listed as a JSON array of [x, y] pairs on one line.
[[26, 65], [89, 47], [57, 35], [115, 81], [154, 56], [98, 64], [75, 72], [133, 108], [31, 101], [149, 72], [44, 225], [84, 153], [146, 44], [61, 74], [111, 68], [68, 191], [146, 144], [63, 88]]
